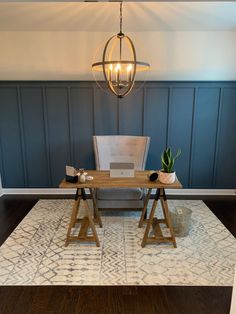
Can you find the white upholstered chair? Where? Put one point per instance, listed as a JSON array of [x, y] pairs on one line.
[[119, 148]]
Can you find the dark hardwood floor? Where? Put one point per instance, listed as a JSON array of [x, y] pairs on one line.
[[114, 299], [109, 300]]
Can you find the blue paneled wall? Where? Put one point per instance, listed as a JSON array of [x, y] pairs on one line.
[[46, 125]]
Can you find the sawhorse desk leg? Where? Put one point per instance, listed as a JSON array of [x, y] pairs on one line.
[[144, 212], [86, 222], [155, 222], [97, 217]]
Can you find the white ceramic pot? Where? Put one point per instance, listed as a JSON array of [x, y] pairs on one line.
[[166, 178]]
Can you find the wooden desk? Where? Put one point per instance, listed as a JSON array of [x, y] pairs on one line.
[[102, 180]]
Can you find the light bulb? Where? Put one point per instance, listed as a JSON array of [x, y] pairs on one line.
[[110, 68], [129, 68], [118, 67]]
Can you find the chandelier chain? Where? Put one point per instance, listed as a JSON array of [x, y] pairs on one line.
[[121, 3]]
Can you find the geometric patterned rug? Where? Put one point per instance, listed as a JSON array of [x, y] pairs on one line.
[[35, 254]]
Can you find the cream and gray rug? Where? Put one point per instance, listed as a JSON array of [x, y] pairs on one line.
[[35, 254]]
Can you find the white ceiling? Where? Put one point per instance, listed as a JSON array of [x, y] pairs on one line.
[[104, 16]]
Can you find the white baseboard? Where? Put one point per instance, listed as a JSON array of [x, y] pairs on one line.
[[201, 192], [39, 191], [168, 191]]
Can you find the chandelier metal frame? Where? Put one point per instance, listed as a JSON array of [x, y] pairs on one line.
[[111, 68]]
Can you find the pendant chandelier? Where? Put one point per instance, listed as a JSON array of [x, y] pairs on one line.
[[119, 63]]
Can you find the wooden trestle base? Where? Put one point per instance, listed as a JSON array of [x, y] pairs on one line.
[[154, 223], [153, 232], [87, 222]]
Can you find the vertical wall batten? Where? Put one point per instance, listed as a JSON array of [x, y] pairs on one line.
[[94, 126], [45, 119], [170, 96], [215, 160], [192, 137], [71, 150], [118, 116], [22, 136], [93, 108], [143, 106], [168, 112], [2, 169]]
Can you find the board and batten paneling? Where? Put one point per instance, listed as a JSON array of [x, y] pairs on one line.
[[180, 128], [35, 147], [131, 114], [105, 113], [225, 172], [58, 131], [12, 160], [82, 126], [156, 106], [204, 137], [46, 125]]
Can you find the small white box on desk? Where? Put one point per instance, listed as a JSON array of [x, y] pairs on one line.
[[121, 169]]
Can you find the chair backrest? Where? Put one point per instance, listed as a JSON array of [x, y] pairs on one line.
[[120, 148]]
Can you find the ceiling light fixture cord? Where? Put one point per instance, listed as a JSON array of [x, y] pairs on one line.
[[120, 35], [121, 17]]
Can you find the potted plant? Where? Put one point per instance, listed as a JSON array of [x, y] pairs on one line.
[[166, 174]]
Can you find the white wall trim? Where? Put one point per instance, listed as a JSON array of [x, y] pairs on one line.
[[38, 191], [168, 191], [201, 192]]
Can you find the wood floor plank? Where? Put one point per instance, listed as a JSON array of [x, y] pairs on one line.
[[112, 299], [12, 211], [225, 211]]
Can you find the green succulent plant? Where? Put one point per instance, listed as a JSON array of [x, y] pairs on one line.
[[168, 159]]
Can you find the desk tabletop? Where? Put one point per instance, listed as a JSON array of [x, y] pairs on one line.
[[102, 179]]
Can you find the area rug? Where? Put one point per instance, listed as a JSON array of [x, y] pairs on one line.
[[35, 254]]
